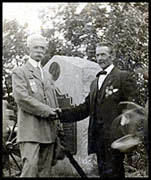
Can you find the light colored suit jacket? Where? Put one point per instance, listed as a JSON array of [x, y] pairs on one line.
[[34, 98]]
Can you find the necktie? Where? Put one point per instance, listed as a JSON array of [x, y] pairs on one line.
[[38, 66]]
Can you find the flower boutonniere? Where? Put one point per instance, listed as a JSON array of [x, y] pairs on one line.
[[110, 90]]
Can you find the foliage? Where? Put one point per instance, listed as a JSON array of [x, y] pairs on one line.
[[124, 24], [13, 51], [128, 31]]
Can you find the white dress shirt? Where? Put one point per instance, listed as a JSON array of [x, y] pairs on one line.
[[36, 64], [103, 76]]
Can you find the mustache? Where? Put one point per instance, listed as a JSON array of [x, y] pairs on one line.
[[40, 55], [101, 61]]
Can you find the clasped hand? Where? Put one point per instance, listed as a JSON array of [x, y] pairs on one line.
[[55, 112]]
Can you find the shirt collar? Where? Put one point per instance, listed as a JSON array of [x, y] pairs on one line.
[[34, 63], [109, 68]]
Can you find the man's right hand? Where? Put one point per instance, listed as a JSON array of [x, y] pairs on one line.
[[52, 111], [58, 110], [55, 113]]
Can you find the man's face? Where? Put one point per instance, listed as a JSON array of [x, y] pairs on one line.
[[103, 56], [37, 50]]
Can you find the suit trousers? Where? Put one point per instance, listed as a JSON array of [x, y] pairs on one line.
[[37, 159], [110, 162]]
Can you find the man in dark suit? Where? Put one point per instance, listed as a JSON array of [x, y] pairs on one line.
[[110, 87], [34, 93]]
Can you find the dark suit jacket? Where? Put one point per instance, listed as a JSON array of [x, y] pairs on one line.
[[125, 87]]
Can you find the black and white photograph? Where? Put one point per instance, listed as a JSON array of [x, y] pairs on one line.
[[75, 90]]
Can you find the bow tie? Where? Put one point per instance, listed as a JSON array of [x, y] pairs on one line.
[[101, 72]]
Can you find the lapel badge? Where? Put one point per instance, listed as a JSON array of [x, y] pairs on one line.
[[33, 86]]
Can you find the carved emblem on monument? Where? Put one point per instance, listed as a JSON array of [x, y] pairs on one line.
[[54, 69]]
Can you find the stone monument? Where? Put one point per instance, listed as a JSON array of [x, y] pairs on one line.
[[73, 76]]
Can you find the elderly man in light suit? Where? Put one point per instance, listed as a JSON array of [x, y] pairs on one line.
[[34, 93]]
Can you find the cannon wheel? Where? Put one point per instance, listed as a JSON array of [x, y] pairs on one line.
[[11, 154]]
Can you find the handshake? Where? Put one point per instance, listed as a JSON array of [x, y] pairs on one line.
[[55, 113]]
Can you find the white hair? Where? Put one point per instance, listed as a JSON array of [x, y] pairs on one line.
[[36, 38]]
